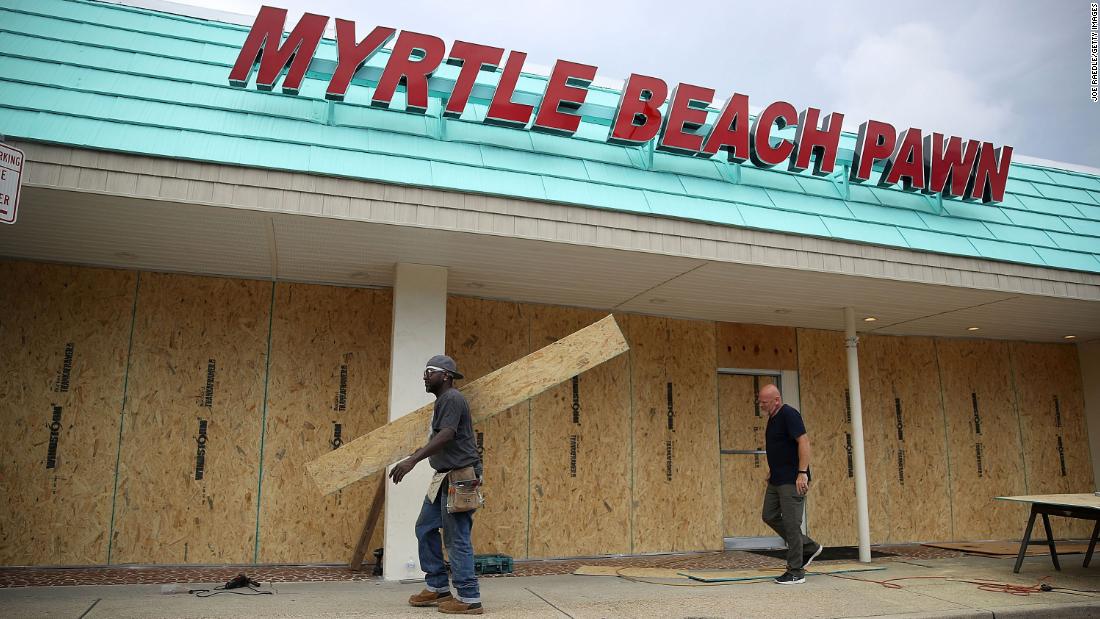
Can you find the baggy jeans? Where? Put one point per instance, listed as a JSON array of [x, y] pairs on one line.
[[457, 530], [783, 512]]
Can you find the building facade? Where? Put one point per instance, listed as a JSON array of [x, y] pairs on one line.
[[208, 286]]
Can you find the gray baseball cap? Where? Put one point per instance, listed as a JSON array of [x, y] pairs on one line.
[[443, 362]]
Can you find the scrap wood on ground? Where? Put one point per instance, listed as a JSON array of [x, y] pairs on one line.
[[1012, 548], [713, 576]]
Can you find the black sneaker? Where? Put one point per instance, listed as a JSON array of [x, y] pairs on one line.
[[806, 562], [790, 579]]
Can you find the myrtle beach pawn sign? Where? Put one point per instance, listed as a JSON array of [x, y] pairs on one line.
[[11, 175]]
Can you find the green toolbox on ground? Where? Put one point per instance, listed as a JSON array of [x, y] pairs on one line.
[[492, 564]]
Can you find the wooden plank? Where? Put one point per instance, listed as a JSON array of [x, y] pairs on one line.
[[487, 396], [879, 433], [483, 336], [580, 452], [597, 570], [189, 461], [1012, 548], [650, 572], [369, 524], [761, 574], [629, 572], [983, 433], [677, 479], [1070, 500], [64, 335], [906, 400], [1051, 406], [328, 383]]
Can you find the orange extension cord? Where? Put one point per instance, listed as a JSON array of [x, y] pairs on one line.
[[983, 585]]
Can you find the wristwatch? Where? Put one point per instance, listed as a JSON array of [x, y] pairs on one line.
[[807, 473]]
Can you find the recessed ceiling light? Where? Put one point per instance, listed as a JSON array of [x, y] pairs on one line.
[[475, 285], [870, 319], [359, 275], [658, 301], [782, 310], [1069, 337], [125, 255], [972, 328]]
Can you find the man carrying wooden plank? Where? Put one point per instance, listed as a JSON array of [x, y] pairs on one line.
[[452, 497], [491, 394]]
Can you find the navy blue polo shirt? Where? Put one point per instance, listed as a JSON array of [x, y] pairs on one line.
[[781, 441]]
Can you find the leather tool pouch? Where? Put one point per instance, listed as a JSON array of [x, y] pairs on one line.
[[463, 490]]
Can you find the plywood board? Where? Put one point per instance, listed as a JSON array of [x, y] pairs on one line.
[[487, 396], [823, 392], [483, 336], [189, 462], [904, 396], [64, 336], [744, 476], [879, 434], [328, 383], [597, 570], [1051, 406], [737, 575], [1012, 549], [580, 452], [756, 347], [677, 496], [1090, 500], [629, 572], [986, 456]]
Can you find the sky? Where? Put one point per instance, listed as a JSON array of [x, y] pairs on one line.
[[1010, 72]]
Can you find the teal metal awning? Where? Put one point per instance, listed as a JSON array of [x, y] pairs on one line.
[[117, 78]]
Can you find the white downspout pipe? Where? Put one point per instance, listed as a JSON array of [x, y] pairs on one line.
[[859, 463]]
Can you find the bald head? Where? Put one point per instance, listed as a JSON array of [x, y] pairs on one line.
[[769, 399]]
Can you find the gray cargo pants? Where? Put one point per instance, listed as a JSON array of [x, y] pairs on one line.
[[783, 512]]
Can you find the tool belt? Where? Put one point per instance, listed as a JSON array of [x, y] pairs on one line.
[[463, 490]]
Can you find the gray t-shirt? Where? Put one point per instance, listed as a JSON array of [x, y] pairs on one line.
[[452, 411]]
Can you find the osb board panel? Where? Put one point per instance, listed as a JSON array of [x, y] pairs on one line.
[[677, 481], [823, 392], [756, 347], [64, 336], [742, 426], [986, 457], [483, 336], [1012, 548], [193, 409], [494, 393], [328, 384], [902, 395], [1051, 406], [580, 451]]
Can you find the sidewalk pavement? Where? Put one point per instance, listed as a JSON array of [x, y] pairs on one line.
[[931, 589]]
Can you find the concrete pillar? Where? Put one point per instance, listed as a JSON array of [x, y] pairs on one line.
[[1089, 354], [419, 331]]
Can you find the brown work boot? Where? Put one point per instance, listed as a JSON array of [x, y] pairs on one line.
[[428, 597], [455, 607]]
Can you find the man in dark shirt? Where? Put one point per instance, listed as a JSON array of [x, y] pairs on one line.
[[451, 446], [788, 448]]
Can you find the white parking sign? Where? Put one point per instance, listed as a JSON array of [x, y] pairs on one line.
[[11, 176]]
